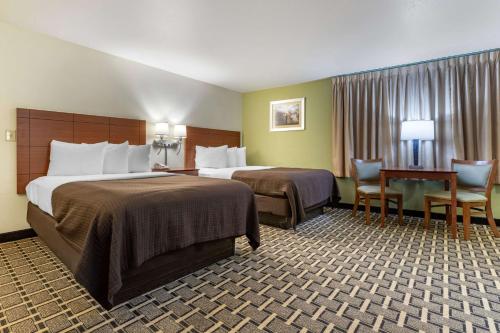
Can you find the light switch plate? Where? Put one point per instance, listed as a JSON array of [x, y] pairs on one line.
[[10, 135]]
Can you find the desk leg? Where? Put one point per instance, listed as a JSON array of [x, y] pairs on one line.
[[453, 189], [382, 198]]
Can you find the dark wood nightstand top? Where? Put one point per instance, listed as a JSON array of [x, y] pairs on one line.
[[185, 171]]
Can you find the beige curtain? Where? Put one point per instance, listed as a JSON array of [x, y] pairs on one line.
[[461, 94]]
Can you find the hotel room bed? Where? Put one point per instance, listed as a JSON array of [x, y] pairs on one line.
[[106, 229], [122, 235], [284, 196]]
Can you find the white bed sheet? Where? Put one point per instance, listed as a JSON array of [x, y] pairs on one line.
[[39, 191], [227, 173]]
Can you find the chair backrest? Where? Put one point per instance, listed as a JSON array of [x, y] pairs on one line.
[[366, 171], [476, 176]]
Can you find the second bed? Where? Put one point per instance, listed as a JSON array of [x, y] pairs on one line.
[[284, 196]]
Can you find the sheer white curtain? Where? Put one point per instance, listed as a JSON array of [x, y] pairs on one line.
[[461, 94]]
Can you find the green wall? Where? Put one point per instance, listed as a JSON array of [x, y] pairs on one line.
[[311, 148]]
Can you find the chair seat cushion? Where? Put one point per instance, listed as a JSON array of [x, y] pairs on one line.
[[463, 196], [374, 189]]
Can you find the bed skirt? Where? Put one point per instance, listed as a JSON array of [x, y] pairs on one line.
[[151, 274]]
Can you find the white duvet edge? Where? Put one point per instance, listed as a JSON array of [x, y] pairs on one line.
[[39, 191], [227, 173]]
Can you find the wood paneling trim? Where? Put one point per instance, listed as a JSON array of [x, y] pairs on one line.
[[90, 132], [142, 132], [51, 115], [23, 149], [22, 182], [124, 122], [119, 134], [37, 128], [206, 137], [23, 130], [84, 118], [212, 132], [23, 159], [43, 131], [39, 159], [23, 113]]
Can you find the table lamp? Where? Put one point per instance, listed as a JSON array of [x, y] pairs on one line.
[[417, 130]]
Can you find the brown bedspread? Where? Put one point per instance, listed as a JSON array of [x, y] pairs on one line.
[[304, 188], [119, 224]]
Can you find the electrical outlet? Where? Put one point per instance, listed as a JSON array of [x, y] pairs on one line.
[[10, 135]]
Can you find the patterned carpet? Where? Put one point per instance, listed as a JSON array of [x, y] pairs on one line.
[[333, 274]]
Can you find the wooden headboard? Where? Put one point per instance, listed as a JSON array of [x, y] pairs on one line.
[[36, 128], [207, 137]]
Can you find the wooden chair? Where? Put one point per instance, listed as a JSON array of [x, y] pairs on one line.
[[475, 182], [366, 174]]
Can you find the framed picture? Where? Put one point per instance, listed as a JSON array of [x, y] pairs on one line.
[[287, 115]]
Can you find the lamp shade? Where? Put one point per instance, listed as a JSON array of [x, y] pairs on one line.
[[417, 130], [180, 131], [161, 129]]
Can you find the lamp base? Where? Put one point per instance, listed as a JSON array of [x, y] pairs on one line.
[[415, 166]]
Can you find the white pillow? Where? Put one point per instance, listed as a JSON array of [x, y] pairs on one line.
[[116, 158], [236, 157], [73, 159], [211, 157], [241, 156], [232, 157], [139, 158]]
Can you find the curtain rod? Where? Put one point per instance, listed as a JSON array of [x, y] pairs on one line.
[[417, 63]]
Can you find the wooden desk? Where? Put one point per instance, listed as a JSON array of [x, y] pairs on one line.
[[448, 176]]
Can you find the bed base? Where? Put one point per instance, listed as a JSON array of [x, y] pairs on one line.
[[276, 212], [152, 274], [284, 222]]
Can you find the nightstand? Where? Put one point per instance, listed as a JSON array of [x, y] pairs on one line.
[[191, 172]]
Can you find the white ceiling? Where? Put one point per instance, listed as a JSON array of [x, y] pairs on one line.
[[246, 45]]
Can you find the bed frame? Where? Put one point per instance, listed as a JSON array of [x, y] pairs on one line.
[[35, 130], [151, 274], [274, 211], [207, 137]]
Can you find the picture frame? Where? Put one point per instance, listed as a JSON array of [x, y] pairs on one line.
[[287, 115]]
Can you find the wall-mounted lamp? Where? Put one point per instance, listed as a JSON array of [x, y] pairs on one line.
[[165, 141], [162, 129], [417, 130], [180, 131]]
